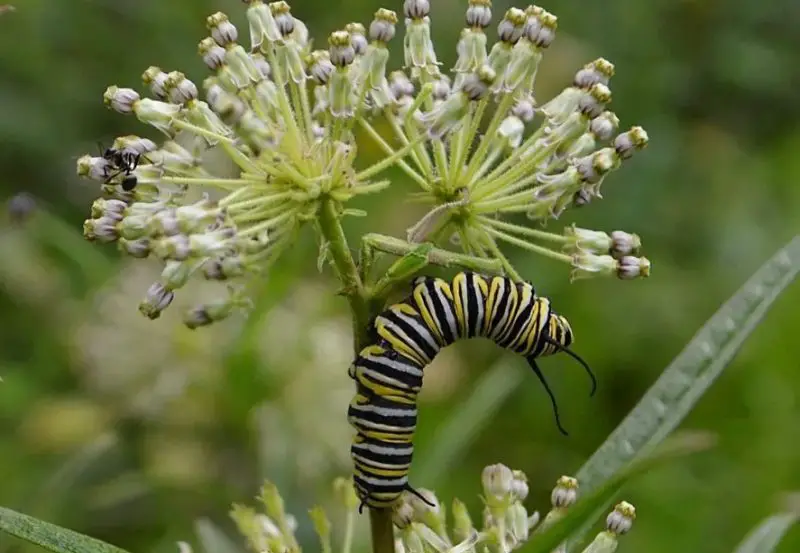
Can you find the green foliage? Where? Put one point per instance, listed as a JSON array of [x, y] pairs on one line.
[[49, 536], [605, 493], [765, 537]]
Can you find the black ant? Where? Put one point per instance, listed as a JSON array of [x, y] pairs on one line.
[[124, 161]]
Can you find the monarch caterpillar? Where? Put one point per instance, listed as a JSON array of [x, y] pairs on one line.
[[408, 335]]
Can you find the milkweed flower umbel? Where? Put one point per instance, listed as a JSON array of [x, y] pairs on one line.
[[286, 118], [420, 525]]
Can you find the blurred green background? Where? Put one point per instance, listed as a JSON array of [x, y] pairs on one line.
[[130, 430]]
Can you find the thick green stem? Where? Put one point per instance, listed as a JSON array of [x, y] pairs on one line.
[[382, 530], [331, 228]]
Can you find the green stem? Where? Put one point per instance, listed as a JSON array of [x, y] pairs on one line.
[[436, 256], [332, 231], [382, 530], [331, 228]]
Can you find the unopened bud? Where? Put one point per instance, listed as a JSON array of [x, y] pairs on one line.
[[121, 100], [283, 17], [628, 142], [631, 267], [416, 9], [320, 66], [155, 301], [624, 244], [155, 78], [512, 26], [479, 13], [341, 49], [382, 28], [565, 493], [497, 480], [620, 520], [222, 30], [357, 38], [519, 486], [213, 54]]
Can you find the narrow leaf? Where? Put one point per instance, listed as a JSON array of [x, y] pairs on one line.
[[690, 374], [49, 536], [460, 430], [584, 510], [765, 537]]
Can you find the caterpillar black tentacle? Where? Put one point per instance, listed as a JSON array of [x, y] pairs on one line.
[[407, 336], [540, 375], [580, 360]]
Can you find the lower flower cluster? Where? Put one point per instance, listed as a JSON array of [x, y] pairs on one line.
[[421, 523]]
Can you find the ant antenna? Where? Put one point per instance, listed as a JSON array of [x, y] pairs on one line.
[[575, 356], [538, 372]]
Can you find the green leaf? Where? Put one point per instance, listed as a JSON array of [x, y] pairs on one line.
[[765, 537], [691, 373], [49, 536], [466, 422], [584, 510]]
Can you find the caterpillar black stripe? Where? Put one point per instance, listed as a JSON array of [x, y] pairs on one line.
[[408, 335]]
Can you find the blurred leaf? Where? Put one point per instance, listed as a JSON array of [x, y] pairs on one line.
[[587, 508], [466, 422], [213, 539], [49, 536], [766, 536], [691, 373]]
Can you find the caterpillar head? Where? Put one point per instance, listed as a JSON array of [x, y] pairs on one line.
[[559, 331]]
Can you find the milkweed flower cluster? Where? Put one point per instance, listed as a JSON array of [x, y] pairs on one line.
[[423, 525], [287, 117]]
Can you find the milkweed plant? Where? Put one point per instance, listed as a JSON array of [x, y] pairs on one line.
[[272, 146]]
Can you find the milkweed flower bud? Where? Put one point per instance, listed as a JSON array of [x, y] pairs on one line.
[[154, 78], [624, 244], [222, 30], [121, 100], [382, 28], [498, 481], [357, 38], [628, 142], [631, 267], [519, 486], [403, 513], [156, 301], [283, 17], [416, 9], [565, 493], [620, 520]]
